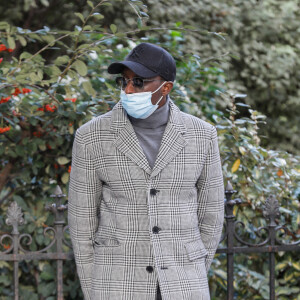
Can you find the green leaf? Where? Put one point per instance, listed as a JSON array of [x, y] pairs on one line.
[[84, 46], [296, 265], [4, 70], [283, 291], [49, 39], [20, 201], [144, 14], [48, 272], [98, 16], [43, 147], [62, 160], [145, 28], [25, 55], [90, 3], [109, 86], [139, 23], [20, 150], [4, 279], [80, 16], [47, 289], [22, 40], [4, 25], [31, 227], [71, 130], [47, 169], [113, 28], [221, 273], [55, 70], [120, 34], [65, 178], [106, 4], [189, 27], [80, 67], [40, 74], [73, 75], [87, 27], [45, 2], [219, 34], [40, 239], [239, 96], [61, 60], [242, 104], [282, 265], [11, 42], [34, 78], [87, 86]]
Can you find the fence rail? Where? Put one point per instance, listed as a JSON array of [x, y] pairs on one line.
[[15, 219], [269, 242]]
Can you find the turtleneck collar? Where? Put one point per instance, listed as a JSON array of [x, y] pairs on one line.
[[157, 119]]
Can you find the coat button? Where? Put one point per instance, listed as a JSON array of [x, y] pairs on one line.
[[153, 192], [156, 229], [149, 269]]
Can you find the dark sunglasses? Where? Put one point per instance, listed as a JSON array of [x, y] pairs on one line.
[[136, 81]]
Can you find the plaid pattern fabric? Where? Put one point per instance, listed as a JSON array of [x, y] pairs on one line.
[[131, 226]]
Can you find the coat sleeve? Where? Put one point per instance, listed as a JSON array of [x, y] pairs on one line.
[[83, 203], [210, 188]]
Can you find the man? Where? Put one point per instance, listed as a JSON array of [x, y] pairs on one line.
[[146, 191]]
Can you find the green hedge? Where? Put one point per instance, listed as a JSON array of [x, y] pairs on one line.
[[56, 80]]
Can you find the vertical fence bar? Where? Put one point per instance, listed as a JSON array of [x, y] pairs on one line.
[[59, 271], [58, 208], [230, 219], [271, 211], [230, 264], [272, 262], [230, 228], [14, 219], [272, 275], [16, 264]]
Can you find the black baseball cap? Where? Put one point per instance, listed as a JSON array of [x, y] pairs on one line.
[[147, 60]]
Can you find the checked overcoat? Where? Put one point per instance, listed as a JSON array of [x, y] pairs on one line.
[[132, 226]]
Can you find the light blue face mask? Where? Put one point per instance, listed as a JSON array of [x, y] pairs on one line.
[[139, 105]]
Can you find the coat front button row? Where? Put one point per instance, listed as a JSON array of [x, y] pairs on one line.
[[156, 229], [153, 192], [149, 269]]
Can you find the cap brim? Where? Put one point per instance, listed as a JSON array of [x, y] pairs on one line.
[[138, 69]]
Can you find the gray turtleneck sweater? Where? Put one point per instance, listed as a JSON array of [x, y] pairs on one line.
[[150, 131]]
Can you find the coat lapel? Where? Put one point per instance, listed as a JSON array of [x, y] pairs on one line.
[[126, 140], [173, 140]]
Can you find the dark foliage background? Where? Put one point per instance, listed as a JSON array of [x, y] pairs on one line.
[[223, 50]]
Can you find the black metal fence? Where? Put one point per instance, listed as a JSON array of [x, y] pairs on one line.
[[269, 243], [16, 252]]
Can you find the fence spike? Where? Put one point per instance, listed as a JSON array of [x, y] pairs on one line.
[[229, 187], [57, 193], [271, 210], [14, 217]]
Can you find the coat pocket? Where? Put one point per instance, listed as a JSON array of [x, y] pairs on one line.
[[195, 250], [98, 242]]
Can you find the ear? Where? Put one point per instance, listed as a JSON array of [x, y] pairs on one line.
[[167, 87]]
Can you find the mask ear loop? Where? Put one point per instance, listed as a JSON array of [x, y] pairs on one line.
[[157, 90]]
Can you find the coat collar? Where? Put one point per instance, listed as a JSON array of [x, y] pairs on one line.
[[126, 141]]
